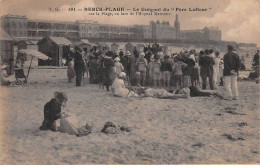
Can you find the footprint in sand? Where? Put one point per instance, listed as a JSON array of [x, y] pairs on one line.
[[234, 113], [230, 137], [198, 145], [232, 110], [242, 124]]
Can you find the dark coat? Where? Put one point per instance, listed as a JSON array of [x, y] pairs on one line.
[[206, 66], [231, 62], [125, 61], [52, 112], [166, 65], [190, 64], [256, 59], [78, 62]]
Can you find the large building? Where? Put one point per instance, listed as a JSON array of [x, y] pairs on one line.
[[163, 30], [205, 34], [22, 28], [15, 26]]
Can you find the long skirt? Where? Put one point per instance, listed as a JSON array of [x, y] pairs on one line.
[[186, 81]]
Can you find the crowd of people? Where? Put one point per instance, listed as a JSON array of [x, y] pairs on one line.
[[170, 71]]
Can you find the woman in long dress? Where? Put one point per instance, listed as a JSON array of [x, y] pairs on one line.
[[216, 69]]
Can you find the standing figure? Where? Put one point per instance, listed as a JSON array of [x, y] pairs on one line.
[[78, 65], [108, 71], [231, 67], [166, 69], [70, 70], [206, 70], [133, 67], [177, 72], [142, 65], [154, 70], [221, 69], [118, 66], [125, 61], [216, 69], [257, 66]]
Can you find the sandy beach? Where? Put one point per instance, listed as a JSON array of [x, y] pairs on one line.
[[185, 131]]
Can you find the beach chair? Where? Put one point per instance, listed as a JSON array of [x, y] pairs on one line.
[[19, 74]]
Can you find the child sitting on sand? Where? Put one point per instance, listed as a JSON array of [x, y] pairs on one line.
[[118, 86], [52, 110]]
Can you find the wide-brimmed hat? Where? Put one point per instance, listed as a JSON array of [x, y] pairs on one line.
[[128, 53], [117, 59], [168, 53], [142, 54], [122, 75], [160, 54]]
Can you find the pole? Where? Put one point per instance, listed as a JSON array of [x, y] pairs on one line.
[[29, 69]]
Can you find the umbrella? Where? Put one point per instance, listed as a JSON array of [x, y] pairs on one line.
[[33, 53]]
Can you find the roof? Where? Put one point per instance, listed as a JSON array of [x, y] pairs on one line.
[[60, 40], [191, 31], [85, 41], [4, 35], [30, 42]]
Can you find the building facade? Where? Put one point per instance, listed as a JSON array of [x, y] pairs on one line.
[[22, 28], [205, 34], [15, 26], [163, 30]]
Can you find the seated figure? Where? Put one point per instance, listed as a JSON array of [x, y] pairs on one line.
[[119, 88]]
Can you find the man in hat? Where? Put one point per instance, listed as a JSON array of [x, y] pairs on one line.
[[231, 67]]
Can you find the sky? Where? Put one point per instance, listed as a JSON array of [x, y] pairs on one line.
[[239, 20]]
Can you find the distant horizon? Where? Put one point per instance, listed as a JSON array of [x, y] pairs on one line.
[[238, 20]]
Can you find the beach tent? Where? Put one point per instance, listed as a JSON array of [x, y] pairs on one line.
[[55, 47], [114, 47], [129, 47]]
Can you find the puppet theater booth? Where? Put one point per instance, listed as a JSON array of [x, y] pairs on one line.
[[56, 48]]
